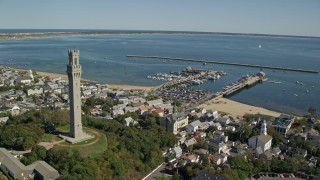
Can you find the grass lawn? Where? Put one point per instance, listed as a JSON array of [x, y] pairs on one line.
[[48, 137], [92, 150], [65, 128]]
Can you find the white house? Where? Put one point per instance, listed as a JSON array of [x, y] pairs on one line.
[[193, 127], [117, 112], [155, 102], [177, 151], [34, 91], [128, 121]]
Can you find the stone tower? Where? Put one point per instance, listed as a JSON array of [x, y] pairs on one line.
[[74, 76]]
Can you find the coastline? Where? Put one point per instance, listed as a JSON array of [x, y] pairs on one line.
[[236, 108], [220, 104]]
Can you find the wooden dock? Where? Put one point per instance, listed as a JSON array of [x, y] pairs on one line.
[[249, 82], [225, 63]]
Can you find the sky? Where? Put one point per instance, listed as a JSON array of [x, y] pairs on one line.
[[283, 17]]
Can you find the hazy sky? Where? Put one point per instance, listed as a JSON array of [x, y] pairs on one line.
[[287, 17]]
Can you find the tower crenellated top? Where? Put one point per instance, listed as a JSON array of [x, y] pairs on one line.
[[73, 52], [73, 57]]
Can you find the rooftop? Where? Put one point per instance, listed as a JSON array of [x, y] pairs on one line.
[[283, 121]]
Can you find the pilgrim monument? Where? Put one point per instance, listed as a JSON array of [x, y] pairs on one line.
[[74, 76]]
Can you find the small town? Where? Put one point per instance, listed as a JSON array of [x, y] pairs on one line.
[[208, 143]]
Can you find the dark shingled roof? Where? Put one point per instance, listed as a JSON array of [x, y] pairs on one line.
[[205, 175]]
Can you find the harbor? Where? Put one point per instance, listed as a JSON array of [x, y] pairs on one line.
[[178, 85], [225, 63]]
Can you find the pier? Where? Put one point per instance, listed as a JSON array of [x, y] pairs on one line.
[[241, 84], [224, 63]]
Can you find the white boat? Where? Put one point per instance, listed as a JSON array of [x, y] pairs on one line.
[[296, 95], [260, 46]]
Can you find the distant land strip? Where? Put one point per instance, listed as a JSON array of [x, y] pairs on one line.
[[222, 62], [12, 34]]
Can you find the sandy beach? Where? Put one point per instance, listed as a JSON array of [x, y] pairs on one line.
[[236, 108]]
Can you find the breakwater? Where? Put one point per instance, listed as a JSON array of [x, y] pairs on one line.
[[225, 63]]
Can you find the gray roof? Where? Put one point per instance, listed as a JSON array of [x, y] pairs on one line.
[[196, 123], [259, 150], [177, 117], [264, 138], [16, 167], [177, 149], [268, 154], [10, 161], [45, 169], [190, 142], [276, 150]]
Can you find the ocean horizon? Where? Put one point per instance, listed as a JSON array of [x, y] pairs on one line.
[[103, 58]]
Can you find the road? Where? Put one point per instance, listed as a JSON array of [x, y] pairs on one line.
[[158, 172]]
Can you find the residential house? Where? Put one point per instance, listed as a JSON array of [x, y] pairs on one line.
[[301, 136], [189, 142], [117, 112], [4, 119], [218, 126], [14, 109], [128, 121], [192, 158], [275, 151], [155, 102], [215, 159], [211, 115], [159, 111], [124, 100], [142, 109], [312, 133], [193, 127], [267, 155], [130, 109], [217, 146], [23, 80], [177, 151], [224, 120], [34, 91], [201, 151], [86, 93], [101, 95]]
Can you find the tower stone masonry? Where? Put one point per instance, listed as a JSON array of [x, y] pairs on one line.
[[74, 77], [74, 71]]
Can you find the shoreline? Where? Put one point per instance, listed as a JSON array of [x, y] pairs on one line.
[[236, 108], [111, 86], [221, 104]]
